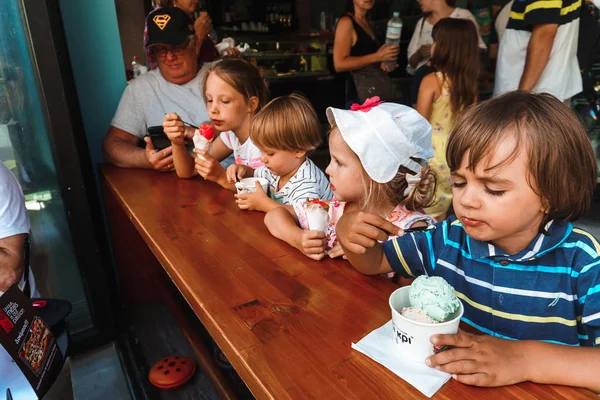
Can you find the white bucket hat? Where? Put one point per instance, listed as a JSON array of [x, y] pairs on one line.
[[384, 136]]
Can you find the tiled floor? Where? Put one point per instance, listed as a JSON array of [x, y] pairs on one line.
[[62, 389], [97, 375]]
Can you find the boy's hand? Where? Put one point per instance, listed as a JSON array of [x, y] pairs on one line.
[[235, 172], [209, 168], [253, 201], [312, 244], [480, 360], [360, 230]]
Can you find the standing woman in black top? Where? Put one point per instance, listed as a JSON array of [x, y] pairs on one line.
[[356, 46]]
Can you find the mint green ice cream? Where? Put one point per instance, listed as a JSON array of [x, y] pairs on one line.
[[434, 296]]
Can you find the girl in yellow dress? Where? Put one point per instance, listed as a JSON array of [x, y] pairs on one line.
[[446, 93]]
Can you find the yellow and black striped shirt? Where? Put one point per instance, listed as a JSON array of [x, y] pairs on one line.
[[527, 13]]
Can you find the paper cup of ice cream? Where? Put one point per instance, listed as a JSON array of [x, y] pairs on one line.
[[427, 307], [317, 215], [202, 138], [248, 185]]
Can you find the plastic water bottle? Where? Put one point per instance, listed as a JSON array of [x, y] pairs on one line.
[[392, 35], [135, 68]]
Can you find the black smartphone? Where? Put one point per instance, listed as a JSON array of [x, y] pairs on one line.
[[159, 138]]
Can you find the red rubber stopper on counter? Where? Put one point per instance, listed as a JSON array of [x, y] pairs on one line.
[[172, 372]]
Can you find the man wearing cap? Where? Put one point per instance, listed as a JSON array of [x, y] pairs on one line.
[[175, 86]]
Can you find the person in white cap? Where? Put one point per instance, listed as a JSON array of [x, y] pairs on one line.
[[379, 154]]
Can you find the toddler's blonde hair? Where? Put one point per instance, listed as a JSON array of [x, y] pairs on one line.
[[287, 123]]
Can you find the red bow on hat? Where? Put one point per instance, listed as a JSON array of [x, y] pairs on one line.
[[367, 105]]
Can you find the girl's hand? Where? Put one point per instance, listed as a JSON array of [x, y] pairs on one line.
[[235, 172], [388, 53], [359, 231], [312, 244], [336, 251], [252, 201], [424, 51], [480, 360], [209, 168], [174, 129], [385, 68]]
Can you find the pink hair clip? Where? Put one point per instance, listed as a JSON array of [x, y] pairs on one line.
[[367, 105]]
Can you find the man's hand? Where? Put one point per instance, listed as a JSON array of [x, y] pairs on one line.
[[235, 172], [424, 51], [12, 256], [161, 160], [480, 360], [209, 168], [174, 128], [359, 231], [257, 201]]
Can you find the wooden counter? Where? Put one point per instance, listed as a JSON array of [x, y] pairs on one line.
[[284, 321]]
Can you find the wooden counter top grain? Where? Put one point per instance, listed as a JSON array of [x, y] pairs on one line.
[[284, 321]]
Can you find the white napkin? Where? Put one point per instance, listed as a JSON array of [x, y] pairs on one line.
[[228, 43], [377, 344]]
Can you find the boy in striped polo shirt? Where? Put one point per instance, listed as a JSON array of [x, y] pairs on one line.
[[522, 168]]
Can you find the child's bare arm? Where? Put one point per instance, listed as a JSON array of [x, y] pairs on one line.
[[183, 162], [175, 130], [489, 361], [427, 95], [282, 222], [359, 233]]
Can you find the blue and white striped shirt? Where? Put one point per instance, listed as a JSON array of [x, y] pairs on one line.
[[550, 291], [309, 182]]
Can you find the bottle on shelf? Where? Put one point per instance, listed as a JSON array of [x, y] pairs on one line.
[[135, 67], [392, 35]]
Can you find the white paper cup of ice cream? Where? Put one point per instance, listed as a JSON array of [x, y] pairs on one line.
[[317, 218], [411, 338], [248, 185], [201, 143]]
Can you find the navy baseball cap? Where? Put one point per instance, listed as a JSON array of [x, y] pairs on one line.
[[168, 25]]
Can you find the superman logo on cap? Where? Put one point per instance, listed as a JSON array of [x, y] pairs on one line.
[[161, 20]]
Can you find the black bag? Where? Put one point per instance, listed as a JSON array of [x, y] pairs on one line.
[[372, 81]]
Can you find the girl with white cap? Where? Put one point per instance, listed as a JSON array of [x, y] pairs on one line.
[[379, 153]]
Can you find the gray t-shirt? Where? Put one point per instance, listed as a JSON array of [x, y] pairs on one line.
[[149, 97]]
